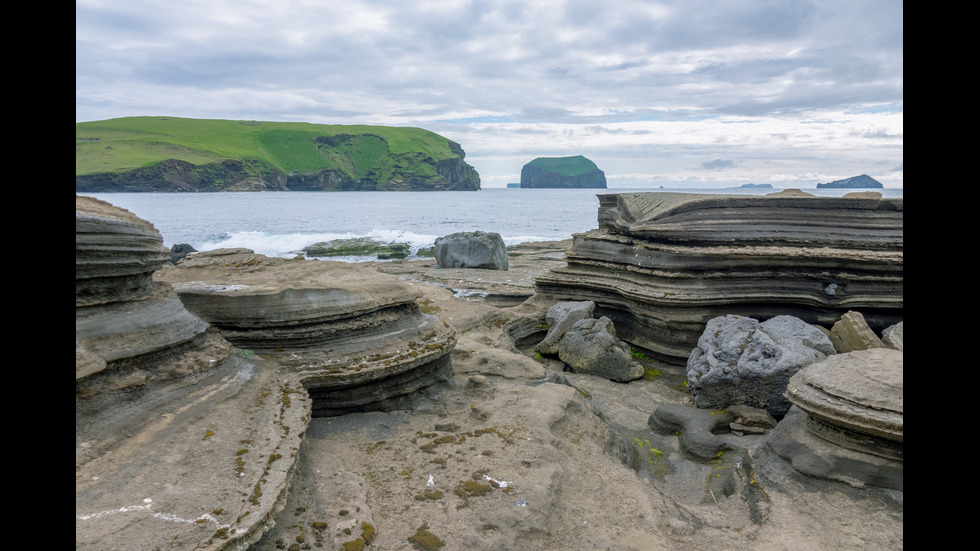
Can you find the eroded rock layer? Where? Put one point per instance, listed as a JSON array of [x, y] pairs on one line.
[[129, 330], [661, 265], [178, 444], [847, 421], [354, 338]]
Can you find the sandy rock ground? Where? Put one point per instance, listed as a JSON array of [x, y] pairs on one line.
[[513, 455], [518, 455]]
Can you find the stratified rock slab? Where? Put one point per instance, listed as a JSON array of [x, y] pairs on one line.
[[177, 444], [353, 337], [662, 264], [129, 330], [847, 422]]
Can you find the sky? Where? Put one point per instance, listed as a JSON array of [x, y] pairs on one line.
[[674, 93]]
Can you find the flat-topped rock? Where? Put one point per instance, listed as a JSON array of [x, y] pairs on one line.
[[847, 419], [861, 391], [355, 338], [662, 264]]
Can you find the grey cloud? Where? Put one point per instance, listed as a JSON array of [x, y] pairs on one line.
[[717, 164]]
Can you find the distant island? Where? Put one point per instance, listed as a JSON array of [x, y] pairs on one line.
[[756, 186], [562, 172], [862, 182], [146, 154]]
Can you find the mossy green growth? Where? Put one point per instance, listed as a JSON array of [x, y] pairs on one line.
[[368, 532], [423, 540]]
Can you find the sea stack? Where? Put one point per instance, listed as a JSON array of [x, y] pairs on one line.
[[562, 172]]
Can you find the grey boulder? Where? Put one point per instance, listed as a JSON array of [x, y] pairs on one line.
[[741, 361], [560, 318], [478, 249], [591, 347]]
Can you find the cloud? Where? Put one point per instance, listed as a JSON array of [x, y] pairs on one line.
[[717, 164], [528, 77]]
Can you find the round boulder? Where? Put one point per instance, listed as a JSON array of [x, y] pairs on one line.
[[741, 361], [478, 249]]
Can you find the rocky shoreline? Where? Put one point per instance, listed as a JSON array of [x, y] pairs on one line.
[[238, 401]]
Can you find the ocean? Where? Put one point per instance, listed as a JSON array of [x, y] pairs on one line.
[[282, 223]]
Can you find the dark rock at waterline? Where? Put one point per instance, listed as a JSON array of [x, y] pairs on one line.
[[478, 249], [179, 251], [358, 246]]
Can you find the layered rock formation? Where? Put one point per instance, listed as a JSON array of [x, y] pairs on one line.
[[662, 264], [562, 172], [354, 338], [847, 422], [178, 443], [129, 330]]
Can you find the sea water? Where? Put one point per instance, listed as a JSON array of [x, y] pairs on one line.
[[282, 223]]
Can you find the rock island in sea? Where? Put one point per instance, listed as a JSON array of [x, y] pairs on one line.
[[237, 401], [562, 172]]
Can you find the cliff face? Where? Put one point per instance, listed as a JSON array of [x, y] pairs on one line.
[[562, 172]]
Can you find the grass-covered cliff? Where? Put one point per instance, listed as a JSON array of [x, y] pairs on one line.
[[136, 154]]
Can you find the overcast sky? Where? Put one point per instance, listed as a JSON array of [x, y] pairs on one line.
[[672, 93]]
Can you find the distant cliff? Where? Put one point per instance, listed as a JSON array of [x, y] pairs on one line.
[[562, 172], [863, 182], [142, 154]]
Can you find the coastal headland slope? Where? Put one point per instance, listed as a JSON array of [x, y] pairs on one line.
[[143, 154]]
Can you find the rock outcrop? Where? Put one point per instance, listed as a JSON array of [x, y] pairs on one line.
[[562, 172], [661, 265], [175, 436], [355, 339], [847, 420]]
